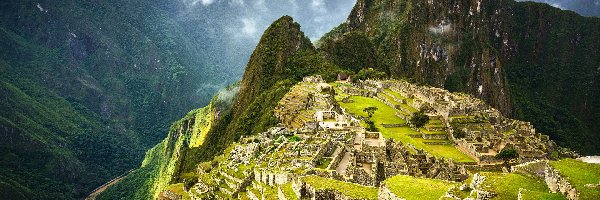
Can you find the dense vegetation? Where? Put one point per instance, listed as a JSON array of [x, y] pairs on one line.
[[529, 60], [87, 87], [282, 58]]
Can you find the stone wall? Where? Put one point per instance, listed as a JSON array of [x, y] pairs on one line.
[[557, 183], [386, 194], [360, 176], [435, 136], [305, 191], [271, 178]]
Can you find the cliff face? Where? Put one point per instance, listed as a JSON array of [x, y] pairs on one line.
[[165, 162], [522, 58]]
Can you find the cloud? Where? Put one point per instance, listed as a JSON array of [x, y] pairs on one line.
[[249, 28], [207, 2], [318, 6]]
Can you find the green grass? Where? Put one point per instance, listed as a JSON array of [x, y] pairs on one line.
[[270, 192], [288, 191], [395, 94], [446, 151], [506, 186], [178, 189], [389, 98], [324, 163], [579, 174], [408, 187], [535, 195], [425, 131], [348, 189], [386, 115]]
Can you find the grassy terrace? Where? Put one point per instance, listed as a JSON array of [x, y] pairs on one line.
[[288, 191], [409, 187], [507, 185], [579, 174], [349, 189], [399, 97], [535, 195], [395, 94], [386, 115], [178, 189]]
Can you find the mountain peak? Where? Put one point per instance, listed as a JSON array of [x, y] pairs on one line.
[[266, 66]]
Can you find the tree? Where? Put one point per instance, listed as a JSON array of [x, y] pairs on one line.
[[507, 154], [459, 133], [371, 125], [369, 73], [419, 119], [370, 111]]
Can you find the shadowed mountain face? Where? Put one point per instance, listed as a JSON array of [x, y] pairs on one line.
[[529, 60], [86, 88]]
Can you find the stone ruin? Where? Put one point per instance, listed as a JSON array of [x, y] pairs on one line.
[[487, 132], [317, 137]]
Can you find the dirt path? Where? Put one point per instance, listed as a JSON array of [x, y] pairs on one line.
[[101, 189]]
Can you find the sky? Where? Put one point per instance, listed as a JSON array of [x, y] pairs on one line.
[[583, 7]]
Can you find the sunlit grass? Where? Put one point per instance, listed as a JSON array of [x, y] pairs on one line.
[[386, 115], [351, 190], [579, 174], [408, 187], [506, 186]]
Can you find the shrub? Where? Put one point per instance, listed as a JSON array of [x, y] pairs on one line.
[[507, 153], [419, 119], [459, 133]]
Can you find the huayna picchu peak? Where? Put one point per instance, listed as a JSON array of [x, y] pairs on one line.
[[388, 99]]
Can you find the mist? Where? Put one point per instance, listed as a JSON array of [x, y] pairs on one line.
[[583, 7]]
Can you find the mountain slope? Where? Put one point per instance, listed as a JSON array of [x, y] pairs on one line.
[[529, 60], [282, 58], [86, 88]]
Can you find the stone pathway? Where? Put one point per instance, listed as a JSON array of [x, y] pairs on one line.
[[358, 139], [341, 169]]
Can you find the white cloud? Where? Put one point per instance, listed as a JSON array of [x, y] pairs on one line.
[[207, 2], [192, 3], [260, 5], [249, 29], [557, 6], [318, 5]]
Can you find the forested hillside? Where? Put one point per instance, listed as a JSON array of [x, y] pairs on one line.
[[86, 87]]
